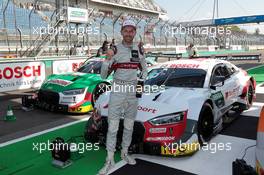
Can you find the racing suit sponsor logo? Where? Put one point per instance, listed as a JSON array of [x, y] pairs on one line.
[[59, 82], [125, 66]]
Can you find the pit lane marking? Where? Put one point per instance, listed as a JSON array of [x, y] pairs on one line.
[[41, 132]]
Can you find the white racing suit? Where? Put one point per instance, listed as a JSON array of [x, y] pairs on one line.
[[123, 101]]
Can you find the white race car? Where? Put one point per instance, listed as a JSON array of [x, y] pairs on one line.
[[187, 112]]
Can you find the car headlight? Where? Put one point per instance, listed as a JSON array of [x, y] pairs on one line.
[[74, 92], [168, 119]]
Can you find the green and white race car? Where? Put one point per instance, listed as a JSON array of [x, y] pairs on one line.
[[74, 92]]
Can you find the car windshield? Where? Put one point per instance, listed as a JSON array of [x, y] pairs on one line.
[[150, 61], [176, 77], [93, 67]]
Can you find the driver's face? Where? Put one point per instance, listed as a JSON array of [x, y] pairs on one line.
[[128, 34]]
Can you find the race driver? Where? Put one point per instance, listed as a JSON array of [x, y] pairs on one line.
[[126, 60]]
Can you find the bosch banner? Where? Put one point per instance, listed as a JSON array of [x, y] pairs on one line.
[[27, 75]]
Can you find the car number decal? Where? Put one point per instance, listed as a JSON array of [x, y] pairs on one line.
[[218, 99]]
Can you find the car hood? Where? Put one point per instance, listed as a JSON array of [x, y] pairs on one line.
[[75, 80], [173, 94], [170, 101]]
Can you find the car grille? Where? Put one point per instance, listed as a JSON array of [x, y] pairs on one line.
[[48, 97]]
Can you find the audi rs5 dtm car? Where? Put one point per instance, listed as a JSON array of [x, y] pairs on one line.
[[75, 92], [186, 113]]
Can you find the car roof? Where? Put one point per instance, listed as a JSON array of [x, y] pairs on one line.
[[200, 63]]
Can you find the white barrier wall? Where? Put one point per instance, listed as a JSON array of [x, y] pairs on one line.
[[236, 47], [212, 48], [256, 47], [22, 75], [66, 66], [181, 49]]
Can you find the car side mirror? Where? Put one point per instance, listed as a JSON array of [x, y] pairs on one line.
[[219, 81]]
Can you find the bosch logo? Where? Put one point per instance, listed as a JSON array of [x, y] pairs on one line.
[[19, 72], [184, 66]]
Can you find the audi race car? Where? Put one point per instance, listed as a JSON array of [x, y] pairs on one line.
[[184, 115], [74, 92]]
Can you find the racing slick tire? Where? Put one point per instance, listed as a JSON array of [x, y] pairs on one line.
[[98, 90], [250, 95], [93, 128], [249, 99], [205, 127]]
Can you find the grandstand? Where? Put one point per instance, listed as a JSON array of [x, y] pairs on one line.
[[22, 21]]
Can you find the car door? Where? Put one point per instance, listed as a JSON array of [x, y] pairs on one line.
[[232, 93], [221, 90]]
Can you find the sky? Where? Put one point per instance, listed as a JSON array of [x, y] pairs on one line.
[[191, 10]]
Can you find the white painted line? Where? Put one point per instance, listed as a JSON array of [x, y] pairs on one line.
[[255, 110], [260, 84], [259, 89], [117, 166], [41, 132], [255, 67]]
